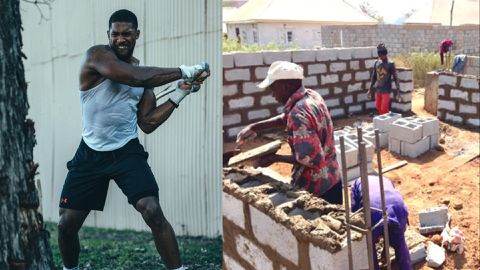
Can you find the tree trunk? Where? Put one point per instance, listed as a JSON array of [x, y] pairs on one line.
[[23, 237]]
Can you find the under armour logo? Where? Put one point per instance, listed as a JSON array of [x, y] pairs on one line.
[[63, 200]]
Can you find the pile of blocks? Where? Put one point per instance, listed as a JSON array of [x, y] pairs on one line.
[[382, 123], [352, 153], [413, 136]]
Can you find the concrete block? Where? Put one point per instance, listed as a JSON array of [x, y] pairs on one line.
[[237, 75], [337, 112], [402, 107], [405, 131], [303, 56], [354, 108], [414, 150], [362, 97], [474, 122], [406, 75], [253, 254], [359, 53], [394, 145], [469, 83], [232, 209], [320, 259], [475, 97], [355, 87], [430, 125], [382, 136], [455, 93], [355, 65], [258, 114], [406, 87], [369, 147], [441, 92], [330, 78], [406, 97], [435, 255], [351, 153], [261, 72], [434, 216], [345, 53], [323, 91], [247, 59], [266, 100], [227, 61], [468, 109], [232, 132], [354, 172], [270, 57], [370, 105], [249, 88], [326, 55], [433, 140], [369, 63], [310, 81], [453, 118], [418, 253], [230, 263], [383, 122], [446, 79], [446, 104], [317, 69], [231, 119], [244, 102], [431, 229], [362, 75], [346, 77], [332, 102], [230, 90], [338, 66], [337, 90], [348, 99], [274, 235]]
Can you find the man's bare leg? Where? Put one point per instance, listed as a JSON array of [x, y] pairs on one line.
[[163, 234], [68, 226]]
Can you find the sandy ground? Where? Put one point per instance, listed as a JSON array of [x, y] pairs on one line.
[[450, 175]]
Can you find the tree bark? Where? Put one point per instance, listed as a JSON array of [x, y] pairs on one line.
[[23, 237]]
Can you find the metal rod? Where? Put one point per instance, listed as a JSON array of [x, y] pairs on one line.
[[347, 201], [382, 194], [358, 229], [366, 200]]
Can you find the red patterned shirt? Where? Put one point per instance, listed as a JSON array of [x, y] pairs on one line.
[[310, 135]]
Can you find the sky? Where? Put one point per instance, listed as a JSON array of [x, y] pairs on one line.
[[392, 10]]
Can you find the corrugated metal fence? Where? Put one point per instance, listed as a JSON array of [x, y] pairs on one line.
[[185, 152]]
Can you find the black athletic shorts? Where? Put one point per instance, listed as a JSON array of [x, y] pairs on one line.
[[90, 171]]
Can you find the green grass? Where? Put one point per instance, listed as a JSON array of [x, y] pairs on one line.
[[231, 45], [103, 249], [421, 63]]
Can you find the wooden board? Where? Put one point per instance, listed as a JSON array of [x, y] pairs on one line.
[[263, 150], [395, 166]]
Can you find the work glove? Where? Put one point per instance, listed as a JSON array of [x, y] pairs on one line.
[[182, 90], [195, 74]]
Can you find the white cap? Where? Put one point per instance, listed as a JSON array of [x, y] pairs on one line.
[[281, 70]]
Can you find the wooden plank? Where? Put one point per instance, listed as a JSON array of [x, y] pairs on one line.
[[263, 150], [395, 166]]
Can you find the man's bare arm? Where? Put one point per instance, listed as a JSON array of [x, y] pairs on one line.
[[149, 116], [273, 122], [104, 61]]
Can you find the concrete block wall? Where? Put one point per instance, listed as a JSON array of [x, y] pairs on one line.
[[268, 224], [472, 66], [459, 99], [404, 38], [340, 75], [413, 136]]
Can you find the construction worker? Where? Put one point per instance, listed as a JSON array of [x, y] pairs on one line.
[[381, 82], [116, 94], [310, 133], [397, 213]]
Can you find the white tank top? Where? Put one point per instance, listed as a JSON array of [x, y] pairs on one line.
[[109, 113]]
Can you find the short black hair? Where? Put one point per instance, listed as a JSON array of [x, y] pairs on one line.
[[381, 49], [123, 15]]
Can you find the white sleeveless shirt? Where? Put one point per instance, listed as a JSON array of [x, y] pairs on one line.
[[109, 113]]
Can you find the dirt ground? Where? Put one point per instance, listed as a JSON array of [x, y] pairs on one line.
[[448, 175]]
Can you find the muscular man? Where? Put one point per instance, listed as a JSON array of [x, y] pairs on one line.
[[381, 83], [397, 217], [116, 94], [310, 133]]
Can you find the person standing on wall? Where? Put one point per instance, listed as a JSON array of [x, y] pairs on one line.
[[381, 82], [116, 95], [310, 133]]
